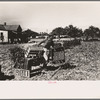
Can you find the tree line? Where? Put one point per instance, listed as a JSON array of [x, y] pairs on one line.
[[72, 31]]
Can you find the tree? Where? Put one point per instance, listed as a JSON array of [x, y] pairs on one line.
[[92, 32], [58, 31], [87, 34], [73, 31]]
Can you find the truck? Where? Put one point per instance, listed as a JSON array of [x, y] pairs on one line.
[[35, 62]]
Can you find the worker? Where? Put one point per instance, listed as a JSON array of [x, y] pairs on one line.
[[48, 44]]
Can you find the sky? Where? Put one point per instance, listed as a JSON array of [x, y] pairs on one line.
[[46, 16]]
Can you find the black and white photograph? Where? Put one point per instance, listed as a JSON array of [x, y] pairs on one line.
[[49, 41]]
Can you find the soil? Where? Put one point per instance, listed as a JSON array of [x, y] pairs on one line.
[[82, 63]]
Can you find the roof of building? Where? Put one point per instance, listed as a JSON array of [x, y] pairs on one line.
[[9, 27], [2, 27]]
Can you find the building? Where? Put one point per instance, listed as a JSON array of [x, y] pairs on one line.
[[10, 33]]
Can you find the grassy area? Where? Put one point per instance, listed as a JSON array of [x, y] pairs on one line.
[[86, 58], [83, 63]]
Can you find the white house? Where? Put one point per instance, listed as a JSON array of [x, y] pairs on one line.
[[9, 33], [3, 34]]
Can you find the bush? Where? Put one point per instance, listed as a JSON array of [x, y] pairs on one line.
[[68, 44]]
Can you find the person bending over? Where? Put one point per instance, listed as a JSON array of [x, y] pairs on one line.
[[48, 44]]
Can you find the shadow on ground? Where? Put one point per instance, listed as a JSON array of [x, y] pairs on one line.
[[68, 66], [65, 66], [50, 68], [32, 75], [6, 77]]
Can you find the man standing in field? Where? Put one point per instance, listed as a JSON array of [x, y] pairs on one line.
[[48, 43]]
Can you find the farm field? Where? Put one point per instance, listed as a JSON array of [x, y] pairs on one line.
[[82, 63]]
